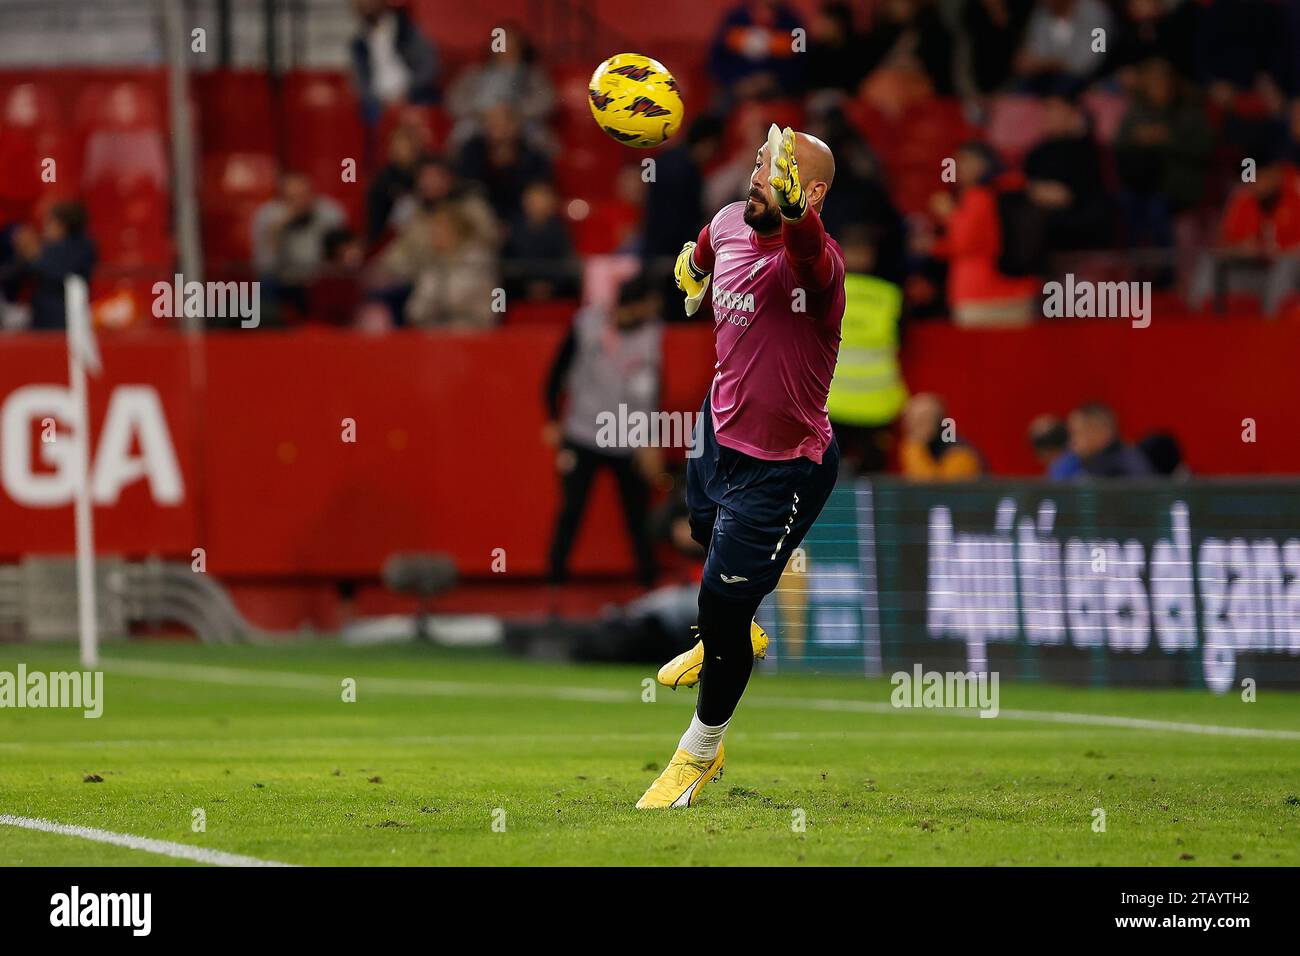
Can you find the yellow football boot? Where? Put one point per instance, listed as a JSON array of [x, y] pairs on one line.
[[684, 669], [681, 782]]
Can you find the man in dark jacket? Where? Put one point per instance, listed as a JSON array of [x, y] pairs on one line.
[[63, 249], [610, 364], [1102, 453], [1064, 181], [393, 62]]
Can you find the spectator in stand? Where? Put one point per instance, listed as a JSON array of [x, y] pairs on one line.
[[1058, 55], [394, 181], [413, 251], [860, 195], [1154, 29], [1260, 234], [1164, 453], [1162, 151], [502, 160], [335, 294], [752, 55], [436, 183], [510, 77], [610, 361], [1096, 442], [392, 61], [994, 31], [61, 249], [676, 205], [1050, 440], [979, 294], [288, 240], [457, 288], [728, 181], [1263, 217], [1241, 47], [538, 254], [931, 450], [1064, 180], [909, 37], [1292, 149], [836, 53]]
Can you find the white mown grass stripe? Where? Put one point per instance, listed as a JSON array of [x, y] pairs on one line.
[[202, 673], [179, 851]]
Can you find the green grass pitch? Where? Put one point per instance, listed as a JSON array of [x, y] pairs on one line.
[[439, 745]]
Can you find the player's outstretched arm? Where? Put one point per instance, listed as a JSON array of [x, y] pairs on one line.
[[801, 227], [694, 266]]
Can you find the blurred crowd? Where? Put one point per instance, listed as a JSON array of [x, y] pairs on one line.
[[1162, 129], [982, 146], [1086, 444]]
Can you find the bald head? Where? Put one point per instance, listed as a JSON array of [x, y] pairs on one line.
[[816, 166], [816, 173]]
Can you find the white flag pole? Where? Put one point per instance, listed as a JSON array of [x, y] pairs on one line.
[[82, 355]]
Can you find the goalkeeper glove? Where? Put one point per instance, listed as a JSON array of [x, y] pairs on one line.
[[689, 278], [784, 178]]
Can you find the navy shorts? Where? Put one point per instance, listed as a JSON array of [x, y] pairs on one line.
[[750, 514]]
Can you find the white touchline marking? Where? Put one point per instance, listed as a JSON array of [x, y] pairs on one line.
[[203, 673], [180, 851], [450, 739]]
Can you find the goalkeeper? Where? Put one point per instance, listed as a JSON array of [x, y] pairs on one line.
[[767, 458]]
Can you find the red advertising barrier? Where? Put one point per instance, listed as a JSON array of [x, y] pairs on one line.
[[235, 443], [1198, 378], [447, 452]]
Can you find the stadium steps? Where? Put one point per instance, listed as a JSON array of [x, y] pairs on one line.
[[38, 601]]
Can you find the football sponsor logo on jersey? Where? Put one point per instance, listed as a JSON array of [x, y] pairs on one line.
[[726, 299]]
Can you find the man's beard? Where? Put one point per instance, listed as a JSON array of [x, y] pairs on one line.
[[765, 222]]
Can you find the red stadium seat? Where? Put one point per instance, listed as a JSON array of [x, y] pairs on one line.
[[607, 225], [234, 186], [550, 312], [234, 111], [1015, 124], [125, 175], [31, 131], [124, 136], [124, 104], [322, 121], [131, 226], [913, 145], [433, 121], [1107, 111]]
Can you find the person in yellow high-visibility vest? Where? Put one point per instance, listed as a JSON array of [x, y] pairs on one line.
[[867, 392]]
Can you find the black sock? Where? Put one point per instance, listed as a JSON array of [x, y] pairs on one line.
[[728, 654]]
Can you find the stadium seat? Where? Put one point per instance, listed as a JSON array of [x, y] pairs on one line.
[[124, 137], [1015, 124], [31, 130], [322, 122], [234, 111], [434, 121], [1107, 111], [549, 312], [234, 186], [606, 227], [913, 145]]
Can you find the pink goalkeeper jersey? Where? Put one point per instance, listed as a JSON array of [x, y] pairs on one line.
[[774, 364]]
